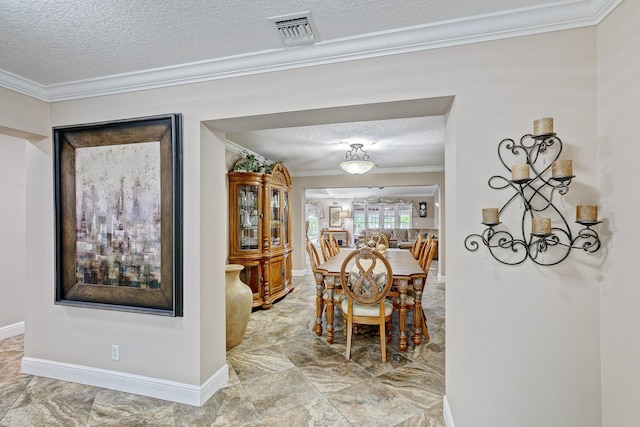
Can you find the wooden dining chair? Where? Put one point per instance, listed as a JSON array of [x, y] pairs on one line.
[[321, 292], [424, 250], [366, 278], [314, 256], [426, 265], [325, 248], [427, 255], [333, 245], [417, 245], [377, 237]]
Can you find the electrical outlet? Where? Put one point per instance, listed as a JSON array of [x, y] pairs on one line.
[[115, 352]]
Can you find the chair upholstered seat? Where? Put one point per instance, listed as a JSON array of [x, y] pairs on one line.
[[368, 310]]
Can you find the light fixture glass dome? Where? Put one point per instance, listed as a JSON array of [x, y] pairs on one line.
[[355, 165]]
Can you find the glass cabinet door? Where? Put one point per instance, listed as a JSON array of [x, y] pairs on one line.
[[276, 218], [285, 218], [248, 217]]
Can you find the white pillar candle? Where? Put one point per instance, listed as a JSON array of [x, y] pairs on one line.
[[541, 225], [586, 213], [520, 172], [490, 216], [561, 168], [543, 126]]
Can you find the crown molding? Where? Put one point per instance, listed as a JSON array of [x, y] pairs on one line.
[[19, 84], [515, 23], [237, 149]]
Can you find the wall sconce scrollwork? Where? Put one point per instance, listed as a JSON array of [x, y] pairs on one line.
[[545, 236]]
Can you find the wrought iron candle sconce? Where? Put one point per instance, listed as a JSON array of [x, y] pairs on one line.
[[545, 235]]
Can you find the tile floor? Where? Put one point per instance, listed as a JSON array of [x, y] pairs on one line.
[[282, 374]]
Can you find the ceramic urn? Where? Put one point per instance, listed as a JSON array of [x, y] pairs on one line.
[[238, 299]]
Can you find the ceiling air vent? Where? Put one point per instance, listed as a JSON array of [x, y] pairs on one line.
[[296, 29]]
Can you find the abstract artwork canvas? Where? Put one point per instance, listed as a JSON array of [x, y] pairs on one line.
[[118, 231], [118, 215]]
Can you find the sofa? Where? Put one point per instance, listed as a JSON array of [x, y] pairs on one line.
[[399, 237]]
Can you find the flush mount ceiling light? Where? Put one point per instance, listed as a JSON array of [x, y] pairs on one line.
[[357, 161]]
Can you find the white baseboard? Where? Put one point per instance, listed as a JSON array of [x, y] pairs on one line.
[[442, 278], [11, 330], [299, 273], [146, 386], [446, 413]]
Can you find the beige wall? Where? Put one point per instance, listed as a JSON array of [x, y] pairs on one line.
[[186, 349], [12, 230], [618, 107], [519, 338], [22, 116], [523, 343]]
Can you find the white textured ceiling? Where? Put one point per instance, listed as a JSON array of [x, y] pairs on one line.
[[402, 144], [67, 49], [400, 137], [81, 39]]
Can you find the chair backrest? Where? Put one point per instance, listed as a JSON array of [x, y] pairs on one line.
[[415, 249], [333, 244], [427, 257], [424, 250], [325, 248], [377, 237], [314, 257], [366, 276]]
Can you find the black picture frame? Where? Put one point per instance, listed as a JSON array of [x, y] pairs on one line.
[[131, 258], [422, 209]]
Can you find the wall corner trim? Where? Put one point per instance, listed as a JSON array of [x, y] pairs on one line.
[[446, 412], [130, 383], [11, 330]]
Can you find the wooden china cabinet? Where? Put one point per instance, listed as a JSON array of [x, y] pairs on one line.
[[260, 232]]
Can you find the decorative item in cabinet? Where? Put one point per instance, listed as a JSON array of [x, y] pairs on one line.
[[260, 232]]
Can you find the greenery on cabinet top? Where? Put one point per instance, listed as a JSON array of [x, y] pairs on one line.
[[250, 163]]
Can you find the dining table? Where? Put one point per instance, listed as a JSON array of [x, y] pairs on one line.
[[406, 272]]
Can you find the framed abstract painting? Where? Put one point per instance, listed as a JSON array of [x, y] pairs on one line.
[[118, 214]]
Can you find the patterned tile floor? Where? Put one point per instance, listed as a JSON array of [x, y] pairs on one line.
[[282, 374]]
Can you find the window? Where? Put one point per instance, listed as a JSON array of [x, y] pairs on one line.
[[389, 217], [404, 213], [382, 216], [373, 216], [312, 218], [358, 219]]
